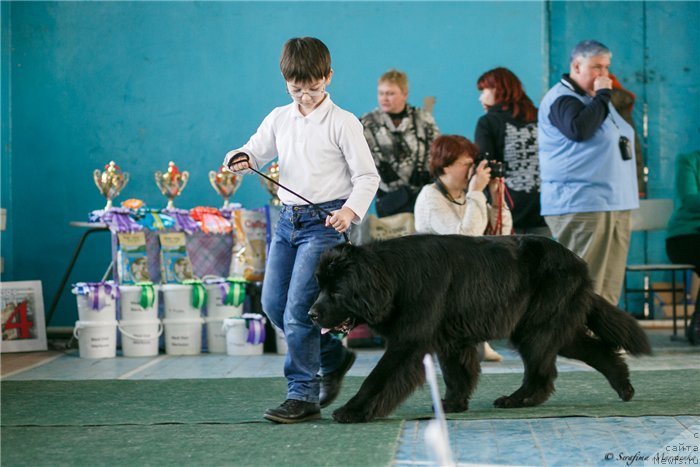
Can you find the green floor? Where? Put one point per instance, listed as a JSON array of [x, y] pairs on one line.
[[218, 421]]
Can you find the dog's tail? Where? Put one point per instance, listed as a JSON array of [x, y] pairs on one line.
[[617, 328]]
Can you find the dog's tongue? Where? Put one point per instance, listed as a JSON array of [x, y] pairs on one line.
[[325, 330]]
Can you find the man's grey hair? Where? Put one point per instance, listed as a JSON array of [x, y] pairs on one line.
[[587, 49]]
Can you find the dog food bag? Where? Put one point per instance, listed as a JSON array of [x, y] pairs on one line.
[[132, 259], [176, 267], [251, 241]]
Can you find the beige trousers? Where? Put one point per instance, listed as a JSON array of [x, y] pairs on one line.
[[602, 240]]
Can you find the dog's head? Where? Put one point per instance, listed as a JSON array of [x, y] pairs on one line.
[[352, 289]]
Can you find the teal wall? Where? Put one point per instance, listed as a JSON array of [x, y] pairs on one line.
[[656, 51], [143, 83]]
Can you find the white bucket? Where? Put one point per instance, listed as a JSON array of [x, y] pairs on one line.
[[216, 294], [130, 304], [96, 301], [237, 335], [140, 338], [98, 339], [216, 337], [280, 341], [183, 336], [177, 302]]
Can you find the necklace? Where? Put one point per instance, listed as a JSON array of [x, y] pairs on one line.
[[443, 189]]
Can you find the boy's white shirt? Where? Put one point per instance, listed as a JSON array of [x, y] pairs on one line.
[[323, 156]]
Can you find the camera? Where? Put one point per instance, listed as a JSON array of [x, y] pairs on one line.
[[497, 169], [625, 148]]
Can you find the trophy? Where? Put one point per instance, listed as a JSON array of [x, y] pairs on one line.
[[225, 183], [172, 182], [110, 182], [274, 173]]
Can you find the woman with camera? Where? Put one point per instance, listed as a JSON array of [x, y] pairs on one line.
[[508, 134], [399, 136], [455, 203]]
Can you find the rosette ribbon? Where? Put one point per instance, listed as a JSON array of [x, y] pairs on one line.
[[153, 219], [183, 221], [148, 294], [97, 292], [231, 289], [235, 295], [199, 292], [119, 220], [211, 220], [227, 211], [255, 324]]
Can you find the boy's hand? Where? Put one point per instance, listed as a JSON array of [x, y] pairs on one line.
[[240, 161], [341, 219]]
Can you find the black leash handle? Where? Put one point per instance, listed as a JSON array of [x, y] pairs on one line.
[[323, 211]]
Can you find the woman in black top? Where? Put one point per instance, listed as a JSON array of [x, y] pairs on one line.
[[508, 133]]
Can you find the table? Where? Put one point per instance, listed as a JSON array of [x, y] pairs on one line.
[[90, 228]]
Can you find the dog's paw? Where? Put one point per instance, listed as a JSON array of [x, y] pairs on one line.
[[454, 406], [507, 402], [626, 392], [347, 415]]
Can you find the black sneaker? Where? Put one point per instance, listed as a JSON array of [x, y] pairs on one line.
[[293, 411], [331, 383]]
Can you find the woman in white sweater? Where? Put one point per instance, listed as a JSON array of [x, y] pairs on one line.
[[455, 203]]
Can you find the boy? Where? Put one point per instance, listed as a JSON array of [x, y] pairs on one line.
[[324, 156]]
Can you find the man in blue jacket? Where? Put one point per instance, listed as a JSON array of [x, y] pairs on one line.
[[587, 167]]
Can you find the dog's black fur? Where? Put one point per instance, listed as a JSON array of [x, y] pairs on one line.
[[444, 294]]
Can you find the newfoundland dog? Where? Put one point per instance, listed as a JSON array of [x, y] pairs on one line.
[[444, 294]]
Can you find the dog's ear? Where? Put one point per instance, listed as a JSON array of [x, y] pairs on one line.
[[333, 264], [367, 285], [336, 261]]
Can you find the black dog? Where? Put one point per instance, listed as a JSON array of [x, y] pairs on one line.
[[446, 293]]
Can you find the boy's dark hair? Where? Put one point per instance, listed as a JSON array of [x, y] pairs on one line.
[[304, 60]]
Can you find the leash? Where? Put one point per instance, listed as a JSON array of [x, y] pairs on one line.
[[311, 203]]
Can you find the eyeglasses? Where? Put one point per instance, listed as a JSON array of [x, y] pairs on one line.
[[311, 93]]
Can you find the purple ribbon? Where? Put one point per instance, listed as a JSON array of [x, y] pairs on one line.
[[256, 328], [221, 283], [183, 221], [231, 290], [222, 289], [119, 220], [92, 289], [227, 211]]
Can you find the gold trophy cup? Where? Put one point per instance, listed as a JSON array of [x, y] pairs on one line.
[[225, 183], [172, 182], [110, 182], [274, 173]]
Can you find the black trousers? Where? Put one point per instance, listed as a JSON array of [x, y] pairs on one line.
[[686, 249]]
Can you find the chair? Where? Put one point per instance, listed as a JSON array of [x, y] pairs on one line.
[[653, 215]]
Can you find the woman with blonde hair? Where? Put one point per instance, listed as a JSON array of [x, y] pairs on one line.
[[399, 136]]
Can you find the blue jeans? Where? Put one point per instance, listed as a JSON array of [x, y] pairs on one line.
[[289, 290]]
